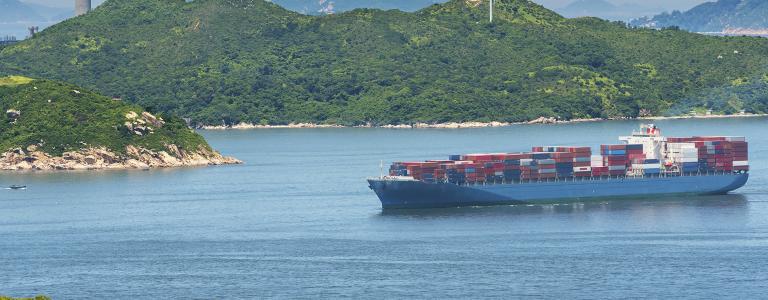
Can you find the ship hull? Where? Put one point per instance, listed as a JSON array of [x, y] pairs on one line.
[[416, 194]]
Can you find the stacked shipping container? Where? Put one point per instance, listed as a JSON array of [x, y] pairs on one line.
[[689, 155], [569, 161], [710, 153]]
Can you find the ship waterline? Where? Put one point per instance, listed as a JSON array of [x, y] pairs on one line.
[[401, 194]]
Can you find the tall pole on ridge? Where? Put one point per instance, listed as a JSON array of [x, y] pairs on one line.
[[491, 9]]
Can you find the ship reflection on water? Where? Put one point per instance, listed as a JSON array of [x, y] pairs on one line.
[[635, 206]]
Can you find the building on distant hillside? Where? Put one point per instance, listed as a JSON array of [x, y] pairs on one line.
[[7, 40], [82, 7]]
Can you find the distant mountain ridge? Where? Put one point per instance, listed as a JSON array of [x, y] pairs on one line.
[[720, 16], [16, 16]]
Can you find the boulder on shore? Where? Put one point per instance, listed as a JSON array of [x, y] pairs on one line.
[[102, 159]]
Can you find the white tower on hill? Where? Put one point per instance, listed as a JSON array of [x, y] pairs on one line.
[[82, 7]]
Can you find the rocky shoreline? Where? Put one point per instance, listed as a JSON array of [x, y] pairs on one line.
[[458, 125], [32, 159]]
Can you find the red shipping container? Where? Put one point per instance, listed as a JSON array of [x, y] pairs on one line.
[[582, 164], [616, 163], [562, 155], [613, 147], [409, 164], [573, 149], [519, 156], [442, 161], [709, 138], [477, 157]]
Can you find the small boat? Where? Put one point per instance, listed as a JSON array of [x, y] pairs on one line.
[[17, 187]]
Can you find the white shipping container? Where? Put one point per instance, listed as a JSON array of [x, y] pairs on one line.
[[684, 151], [741, 163], [731, 139], [582, 169], [671, 146], [687, 160], [645, 166], [681, 148], [682, 156]]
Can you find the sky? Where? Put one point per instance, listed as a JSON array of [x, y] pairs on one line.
[[59, 3], [664, 4]]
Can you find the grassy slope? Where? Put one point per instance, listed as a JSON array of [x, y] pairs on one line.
[[72, 121], [252, 61]]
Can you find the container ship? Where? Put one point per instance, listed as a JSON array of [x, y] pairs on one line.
[[644, 164]]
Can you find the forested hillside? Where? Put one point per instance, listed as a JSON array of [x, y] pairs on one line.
[[59, 117], [336, 6], [252, 61]]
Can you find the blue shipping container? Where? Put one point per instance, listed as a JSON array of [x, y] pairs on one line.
[[614, 152]]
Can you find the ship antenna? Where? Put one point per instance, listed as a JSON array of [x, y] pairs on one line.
[[381, 169]]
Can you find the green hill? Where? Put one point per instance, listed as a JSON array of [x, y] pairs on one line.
[[319, 7], [252, 61], [54, 118]]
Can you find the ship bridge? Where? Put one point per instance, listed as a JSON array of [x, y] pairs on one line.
[[650, 137]]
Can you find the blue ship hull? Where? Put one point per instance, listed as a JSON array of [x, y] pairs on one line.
[[398, 194]]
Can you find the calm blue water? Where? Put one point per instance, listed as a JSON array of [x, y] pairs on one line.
[[299, 221]]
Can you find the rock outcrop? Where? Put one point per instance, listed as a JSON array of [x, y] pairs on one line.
[[12, 115], [144, 124], [103, 159], [544, 120]]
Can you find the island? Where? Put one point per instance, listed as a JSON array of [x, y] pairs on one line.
[[52, 125]]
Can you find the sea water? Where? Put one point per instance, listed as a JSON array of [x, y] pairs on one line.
[[298, 221]]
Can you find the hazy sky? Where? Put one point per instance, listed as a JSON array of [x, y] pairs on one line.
[[665, 4]]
